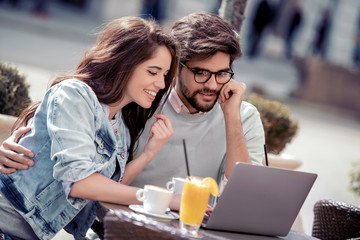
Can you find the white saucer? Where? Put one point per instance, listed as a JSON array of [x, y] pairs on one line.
[[140, 209]]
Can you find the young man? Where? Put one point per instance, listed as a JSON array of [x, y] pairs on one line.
[[205, 108]]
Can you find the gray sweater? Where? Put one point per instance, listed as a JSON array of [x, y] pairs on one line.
[[205, 142]]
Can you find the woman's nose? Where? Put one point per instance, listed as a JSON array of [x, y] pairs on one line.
[[160, 83]]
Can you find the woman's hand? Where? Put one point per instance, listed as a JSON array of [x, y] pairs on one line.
[[160, 133], [10, 159]]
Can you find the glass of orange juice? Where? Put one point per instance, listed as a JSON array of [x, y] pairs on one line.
[[194, 201]]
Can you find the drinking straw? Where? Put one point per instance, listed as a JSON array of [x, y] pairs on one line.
[[266, 157], [186, 159]]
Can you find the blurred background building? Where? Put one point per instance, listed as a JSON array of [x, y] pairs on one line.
[[328, 28], [304, 53], [321, 33]]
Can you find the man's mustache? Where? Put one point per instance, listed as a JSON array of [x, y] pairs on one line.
[[206, 90]]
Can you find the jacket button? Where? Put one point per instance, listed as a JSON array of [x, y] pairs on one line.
[[122, 155], [116, 131], [101, 146]]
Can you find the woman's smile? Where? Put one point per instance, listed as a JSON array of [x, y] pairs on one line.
[[151, 94]]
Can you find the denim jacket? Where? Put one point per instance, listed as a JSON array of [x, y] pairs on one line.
[[71, 138]]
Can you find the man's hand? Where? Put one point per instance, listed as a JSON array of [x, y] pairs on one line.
[[175, 202], [160, 133], [10, 160], [231, 96]]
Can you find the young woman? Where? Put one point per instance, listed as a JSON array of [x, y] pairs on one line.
[[83, 133]]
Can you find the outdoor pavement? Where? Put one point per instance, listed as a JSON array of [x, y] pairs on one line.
[[328, 139]]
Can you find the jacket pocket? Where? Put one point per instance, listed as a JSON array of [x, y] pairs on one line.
[[104, 147]]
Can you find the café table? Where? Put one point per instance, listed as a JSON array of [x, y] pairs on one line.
[[120, 222]]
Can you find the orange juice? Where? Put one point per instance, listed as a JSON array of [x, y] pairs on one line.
[[194, 201]]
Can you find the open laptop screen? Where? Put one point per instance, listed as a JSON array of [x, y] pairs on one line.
[[261, 200]]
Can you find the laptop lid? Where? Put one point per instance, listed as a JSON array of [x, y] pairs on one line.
[[261, 200]]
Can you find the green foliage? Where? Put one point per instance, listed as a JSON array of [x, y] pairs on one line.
[[14, 94], [279, 127], [355, 178]]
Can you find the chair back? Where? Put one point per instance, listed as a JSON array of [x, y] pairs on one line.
[[335, 220]]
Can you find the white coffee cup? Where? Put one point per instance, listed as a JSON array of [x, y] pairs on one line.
[[176, 185], [155, 199]]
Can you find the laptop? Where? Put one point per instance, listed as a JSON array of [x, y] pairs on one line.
[[260, 200]]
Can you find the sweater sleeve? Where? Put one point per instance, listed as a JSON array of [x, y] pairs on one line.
[[253, 132]]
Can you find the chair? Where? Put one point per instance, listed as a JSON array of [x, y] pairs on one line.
[[121, 224], [97, 228], [335, 220]]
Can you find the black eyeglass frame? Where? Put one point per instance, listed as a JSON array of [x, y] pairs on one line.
[[194, 71]]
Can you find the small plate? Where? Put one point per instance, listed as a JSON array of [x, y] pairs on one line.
[[140, 209]]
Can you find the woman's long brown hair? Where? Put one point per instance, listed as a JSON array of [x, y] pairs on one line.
[[122, 45]]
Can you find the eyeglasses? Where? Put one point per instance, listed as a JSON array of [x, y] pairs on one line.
[[202, 76]]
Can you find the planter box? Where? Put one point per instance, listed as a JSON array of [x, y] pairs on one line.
[[328, 84], [6, 123], [282, 161]]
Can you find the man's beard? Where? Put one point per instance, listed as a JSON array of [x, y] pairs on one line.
[[190, 97]]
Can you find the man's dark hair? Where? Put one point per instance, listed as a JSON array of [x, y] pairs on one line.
[[202, 34]]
